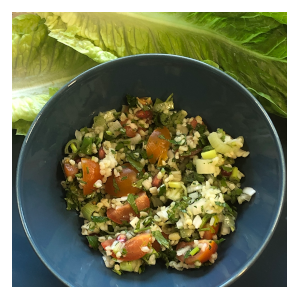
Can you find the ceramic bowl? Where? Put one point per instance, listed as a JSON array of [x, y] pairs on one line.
[[198, 88]]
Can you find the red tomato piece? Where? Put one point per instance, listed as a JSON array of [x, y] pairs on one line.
[[130, 132], [157, 148], [91, 173], [156, 182], [124, 182], [102, 153], [208, 234], [194, 123], [132, 246], [202, 255], [122, 213], [70, 170], [144, 114]]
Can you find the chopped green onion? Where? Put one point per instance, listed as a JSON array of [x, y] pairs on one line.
[[69, 144], [205, 219], [194, 251], [124, 178], [234, 175], [73, 147], [87, 170], [87, 210], [126, 266]]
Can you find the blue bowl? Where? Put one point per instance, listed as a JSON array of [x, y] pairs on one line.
[[199, 89]]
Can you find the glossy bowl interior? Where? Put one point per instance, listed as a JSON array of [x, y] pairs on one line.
[[199, 89]]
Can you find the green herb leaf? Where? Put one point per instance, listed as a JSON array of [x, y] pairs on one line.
[[99, 219], [207, 148], [187, 254], [141, 229], [115, 185], [131, 200], [161, 239], [132, 101], [219, 241], [134, 163], [93, 241], [162, 190], [86, 146], [224, 204]]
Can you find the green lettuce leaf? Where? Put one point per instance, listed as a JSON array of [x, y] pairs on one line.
[[22, 126], [40, 66], [251, 47]]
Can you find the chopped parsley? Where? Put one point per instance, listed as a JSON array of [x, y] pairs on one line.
[[115, 185], [131, 200]]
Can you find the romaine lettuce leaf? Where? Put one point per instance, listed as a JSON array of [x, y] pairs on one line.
[[251, 47], [40, 66]]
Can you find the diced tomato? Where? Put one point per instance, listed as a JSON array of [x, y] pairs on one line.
[[101, 153], [70, 170], [194, 123], [122, 213], [132, 246], [202, 256], [156, 182], [225, 173], [107, 243], [130, 132], [157, 148], [124, 182], [144, 114], [208, 234], [91, 173]]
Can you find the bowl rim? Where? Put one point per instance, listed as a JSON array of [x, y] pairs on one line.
[[253, 259]]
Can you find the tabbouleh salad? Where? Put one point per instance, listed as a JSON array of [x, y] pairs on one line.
[[152, 183]]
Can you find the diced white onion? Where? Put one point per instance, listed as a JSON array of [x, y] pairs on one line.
[[249, 191], [194, 195], [205, 166], [183, 250]]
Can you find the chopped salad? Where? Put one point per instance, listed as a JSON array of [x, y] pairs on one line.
[[152, 183]]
